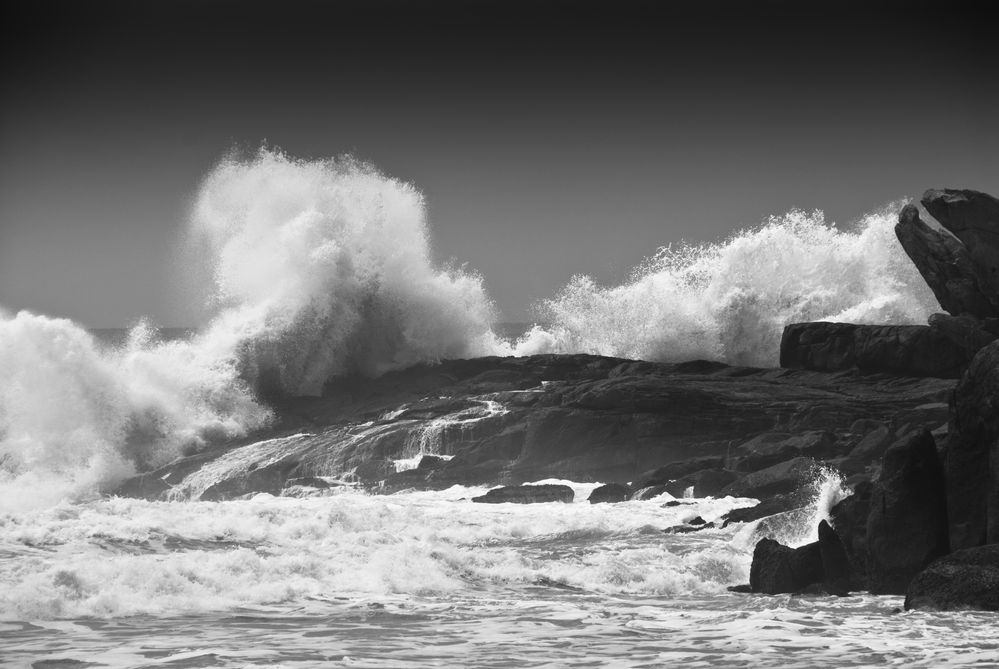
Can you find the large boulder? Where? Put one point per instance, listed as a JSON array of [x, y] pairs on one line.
[[907, 524], [777, 568], [611, 492], [527, 494], [799, 499], [945, 264], [838, 572], [966, 579], [973, 217], [971, 460], [904, 350]]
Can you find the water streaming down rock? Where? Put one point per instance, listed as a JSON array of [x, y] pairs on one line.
[[429, 437]]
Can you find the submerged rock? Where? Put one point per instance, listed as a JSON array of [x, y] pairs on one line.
[[907, 524], [527, 494], [966, 579]]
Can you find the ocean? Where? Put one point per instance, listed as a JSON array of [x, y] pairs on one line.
[[323, 271]]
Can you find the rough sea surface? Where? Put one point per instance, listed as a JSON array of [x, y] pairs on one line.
[[430, 579]]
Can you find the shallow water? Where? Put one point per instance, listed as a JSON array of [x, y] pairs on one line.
[[427, 579]]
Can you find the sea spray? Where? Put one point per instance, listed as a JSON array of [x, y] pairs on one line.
[[76, 417], [798, 527], [324, 269], [730, 301]]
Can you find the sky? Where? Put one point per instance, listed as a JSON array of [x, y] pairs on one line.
[[549, 138]]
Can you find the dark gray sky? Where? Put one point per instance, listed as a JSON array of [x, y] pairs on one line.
[[550, 138]]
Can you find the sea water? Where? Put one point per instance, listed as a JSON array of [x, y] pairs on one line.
[[427, 579]]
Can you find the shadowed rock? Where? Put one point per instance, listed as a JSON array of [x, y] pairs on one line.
[[907, 525], [849, 519], [704, 483], [905, 350], [973, 217], [612, 492], [966, 579], [780, 479], [945, 264], [527, 494], [971, 460], [838, 574], [777, 568]]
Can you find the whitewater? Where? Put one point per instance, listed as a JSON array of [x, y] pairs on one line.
[[324, 270]]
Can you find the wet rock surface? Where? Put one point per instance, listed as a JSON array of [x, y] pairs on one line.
[[527, 494], [580, 417], [965, 579]]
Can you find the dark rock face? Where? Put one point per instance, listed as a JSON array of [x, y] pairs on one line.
[[971, 460], [772, 448], [966, 579], [777, 568], [905, 350], [945, 264], [612, 492], [849, 519], [705, 483], [595, 418], [527, 494], [973, 217], [674, 470], [838, 574], [780, 479], [907, 524]]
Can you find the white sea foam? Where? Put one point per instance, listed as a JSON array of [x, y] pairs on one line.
[[730, 301]]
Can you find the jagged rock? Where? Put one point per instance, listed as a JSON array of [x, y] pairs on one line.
[[849, 519], [705, 483], [971, 460], [780, 479], [772, 448], [838, 574], [945, 264], [907, 525], [309, 482], [527, 494], [905, 350], [973, 217], [612, 492], [777, 568], [965, 579]]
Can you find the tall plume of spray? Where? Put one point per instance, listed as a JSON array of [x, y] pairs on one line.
[[324, 269]]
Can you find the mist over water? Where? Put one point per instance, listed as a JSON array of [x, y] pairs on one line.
[[324, 268]]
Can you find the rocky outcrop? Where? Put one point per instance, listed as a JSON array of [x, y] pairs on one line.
[[838, 574], [703, 483], [945, 264], [516, 420], [849, 519], [904, 350], [971, 459], [611, 492], [907, 524], [527, 494], [973, 217], [771, 448], [965, 579]]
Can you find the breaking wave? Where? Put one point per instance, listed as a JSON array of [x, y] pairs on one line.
[[730, 301], [324, 268]]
